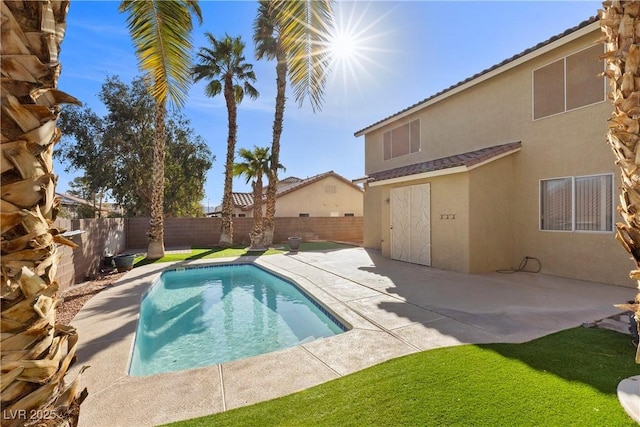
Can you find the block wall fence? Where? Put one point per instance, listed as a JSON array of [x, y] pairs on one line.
[[97, 237], [116, 235]]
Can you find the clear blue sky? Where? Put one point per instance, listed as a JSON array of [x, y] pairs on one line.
[[406, 51]]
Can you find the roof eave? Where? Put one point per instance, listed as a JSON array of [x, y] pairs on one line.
[[441, 172]]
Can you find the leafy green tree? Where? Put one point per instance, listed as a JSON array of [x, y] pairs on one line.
[[223, 65], [80, 188], [161, 33], [186, 165], [294, 33], [123, 140]]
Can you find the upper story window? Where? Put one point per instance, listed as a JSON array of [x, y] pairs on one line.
[[569, 83], [402, 140]]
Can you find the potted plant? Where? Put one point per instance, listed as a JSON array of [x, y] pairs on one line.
[[124, 262], [294, 243]]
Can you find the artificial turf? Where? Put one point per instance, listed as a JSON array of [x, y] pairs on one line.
[[565, 379], [237, 251]]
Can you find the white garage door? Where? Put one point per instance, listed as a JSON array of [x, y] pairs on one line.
[[411, 224]]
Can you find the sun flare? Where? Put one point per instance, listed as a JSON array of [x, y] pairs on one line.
[[344, 45], [354, 46]]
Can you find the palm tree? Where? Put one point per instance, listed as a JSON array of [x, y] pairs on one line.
[[293, 33], [254, 165], [36, 353], [161, 30], [622, 58], [223, 64]]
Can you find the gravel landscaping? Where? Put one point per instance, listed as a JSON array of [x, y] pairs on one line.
[[75, 297]]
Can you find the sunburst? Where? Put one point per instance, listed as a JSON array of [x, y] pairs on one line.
[[354, 43]]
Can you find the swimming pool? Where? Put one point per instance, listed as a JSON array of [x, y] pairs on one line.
[[202, 316]]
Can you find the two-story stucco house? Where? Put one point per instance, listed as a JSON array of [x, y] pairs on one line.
[[508, 164]]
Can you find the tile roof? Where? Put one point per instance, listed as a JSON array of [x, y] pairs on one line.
[[505, 62], [467, 159], [289, 180], [242, 199], [294, 186]]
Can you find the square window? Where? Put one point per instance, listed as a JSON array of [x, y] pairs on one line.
[[401, 140], [571, 82], [583, 203]]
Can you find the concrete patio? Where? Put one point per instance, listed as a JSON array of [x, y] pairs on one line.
[[393, 308]]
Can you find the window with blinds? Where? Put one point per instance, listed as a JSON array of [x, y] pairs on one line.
[[569, 83], [402, 140], [583, 203]]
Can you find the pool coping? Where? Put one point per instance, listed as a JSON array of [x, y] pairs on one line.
[[329, 314], [234, 384], [394, 309]]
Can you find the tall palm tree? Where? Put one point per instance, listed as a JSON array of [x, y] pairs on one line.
[[36, 353], [254, 165], [294, 33], [161, 32], [223, 65], [622, 56]]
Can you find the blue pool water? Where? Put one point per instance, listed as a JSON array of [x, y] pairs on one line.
[[203, 316]]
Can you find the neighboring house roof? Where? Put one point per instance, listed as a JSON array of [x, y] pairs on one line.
[[511, 60], [285, 186], [289, 180], [70, 199], [242, 199], [467, 161], [282, 190]]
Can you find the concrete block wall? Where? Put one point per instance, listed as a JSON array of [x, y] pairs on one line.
[[115, 235], [98, 237], [203, 232]]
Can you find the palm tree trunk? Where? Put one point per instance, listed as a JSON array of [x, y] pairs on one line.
[[226, 230], [270, 212], [257, 235], [36, 353], [617, 22], [156, 224]]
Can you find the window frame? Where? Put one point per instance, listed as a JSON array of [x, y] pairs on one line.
[[410, 142], [574, 204], [564, 85]]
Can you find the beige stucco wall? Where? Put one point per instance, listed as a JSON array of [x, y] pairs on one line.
[[372, 223], [491, 221], [315, 200], [502, 197], [449, 236]]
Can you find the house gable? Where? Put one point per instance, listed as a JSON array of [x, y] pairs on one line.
[[488, 218], [325, 194]]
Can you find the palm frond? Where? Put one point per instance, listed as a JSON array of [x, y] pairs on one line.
[[305, 28], [225, 60], [161, 33], [265, 34]]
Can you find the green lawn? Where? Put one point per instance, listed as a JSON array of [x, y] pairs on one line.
[[564, 379], [216, 252]]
